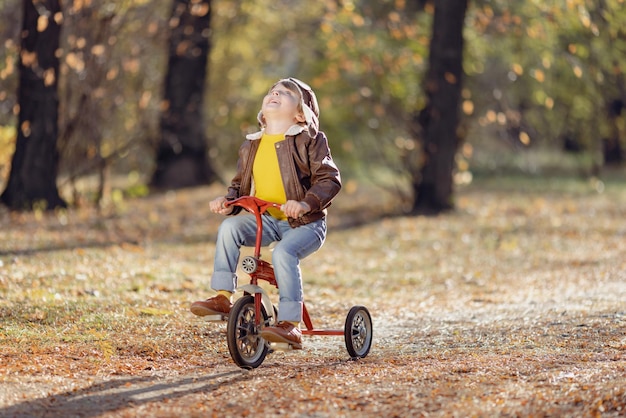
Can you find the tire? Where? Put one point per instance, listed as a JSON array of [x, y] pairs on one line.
[[358, 332], [247, 348]]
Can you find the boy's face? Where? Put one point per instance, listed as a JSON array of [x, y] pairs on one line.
[[282, 103]]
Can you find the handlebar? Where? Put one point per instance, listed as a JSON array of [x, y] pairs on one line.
[[252, 204]]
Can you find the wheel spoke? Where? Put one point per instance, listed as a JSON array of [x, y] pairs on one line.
[[358, 332]]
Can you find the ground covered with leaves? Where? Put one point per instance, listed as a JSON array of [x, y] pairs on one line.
[[512, 305]]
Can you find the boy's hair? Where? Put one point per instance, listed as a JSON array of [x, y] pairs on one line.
[[308, 103]]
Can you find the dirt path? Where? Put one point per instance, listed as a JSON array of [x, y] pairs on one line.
[[518, 363]]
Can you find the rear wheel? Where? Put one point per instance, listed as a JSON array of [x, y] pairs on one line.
[[358, 332], [247, 348]]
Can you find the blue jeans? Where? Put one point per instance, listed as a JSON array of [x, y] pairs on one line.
[[293, 244]]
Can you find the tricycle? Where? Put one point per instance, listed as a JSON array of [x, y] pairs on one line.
[[254, 310]]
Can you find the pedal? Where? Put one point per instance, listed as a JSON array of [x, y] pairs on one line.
[[215, 318], [281, 346]]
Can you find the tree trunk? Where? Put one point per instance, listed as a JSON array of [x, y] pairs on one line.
[[182, 159], [32, 180], [437, 124], [611, 147]]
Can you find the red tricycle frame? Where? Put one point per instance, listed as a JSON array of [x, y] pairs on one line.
[[249, 314]]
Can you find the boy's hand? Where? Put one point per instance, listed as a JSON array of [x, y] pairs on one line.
[[295, 209], [217, 206]]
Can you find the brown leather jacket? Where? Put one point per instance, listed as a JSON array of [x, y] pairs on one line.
[[307, 168]]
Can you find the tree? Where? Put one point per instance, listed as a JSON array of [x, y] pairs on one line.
[[182, 159], [32, 179], [436, 125]]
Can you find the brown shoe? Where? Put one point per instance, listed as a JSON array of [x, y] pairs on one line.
[[217, 305], [283, 332]]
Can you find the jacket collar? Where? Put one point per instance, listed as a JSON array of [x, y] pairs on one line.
[[292, 131]]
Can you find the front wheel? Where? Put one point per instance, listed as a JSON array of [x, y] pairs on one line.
[[358, 332], [247, 348]]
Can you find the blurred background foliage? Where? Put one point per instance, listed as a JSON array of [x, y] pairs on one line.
[[544, 89]]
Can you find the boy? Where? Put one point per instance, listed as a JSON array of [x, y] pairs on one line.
[[287, 162]]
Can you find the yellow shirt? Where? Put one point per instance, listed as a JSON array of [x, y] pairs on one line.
[[268, 183]]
